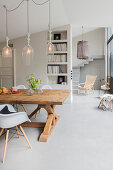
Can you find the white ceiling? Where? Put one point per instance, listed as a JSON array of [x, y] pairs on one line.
[[97, 13], [77, 30]]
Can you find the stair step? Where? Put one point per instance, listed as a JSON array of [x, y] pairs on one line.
[[80, 63]]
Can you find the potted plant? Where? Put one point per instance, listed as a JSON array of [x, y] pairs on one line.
[[33, 83]]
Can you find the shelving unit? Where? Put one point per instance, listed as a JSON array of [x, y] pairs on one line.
[[58, 65]]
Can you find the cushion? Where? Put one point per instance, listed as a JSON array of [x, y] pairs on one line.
[[5, 110]]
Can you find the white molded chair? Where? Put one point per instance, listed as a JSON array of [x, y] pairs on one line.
[[11, 120], [21, 87], [46, 87]]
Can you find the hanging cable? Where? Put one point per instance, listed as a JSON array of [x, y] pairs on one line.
[[82, 33], [11, 10], [6, 24], [27, 50], [6, 21], [49, 16], [39, 4], [28, 16]]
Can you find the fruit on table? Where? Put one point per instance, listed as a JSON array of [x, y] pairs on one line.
[[0, 91], [4, 90]]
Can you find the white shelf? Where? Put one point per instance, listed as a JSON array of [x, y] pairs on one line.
[[58, 84], [58, 41], [60, 74], [58, 52], [57, 63]]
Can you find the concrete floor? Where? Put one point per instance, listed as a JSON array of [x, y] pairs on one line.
[[82, 140]]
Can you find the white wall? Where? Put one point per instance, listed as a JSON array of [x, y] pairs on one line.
[[97, 67], [96, 44], [96, 40], [39, 64]]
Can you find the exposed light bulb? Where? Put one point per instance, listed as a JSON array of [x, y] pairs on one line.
[[27, 55], [50, 47], [28, 51], [7, 52]]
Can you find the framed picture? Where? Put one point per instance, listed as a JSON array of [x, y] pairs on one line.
[[61, 79], [57, 36]]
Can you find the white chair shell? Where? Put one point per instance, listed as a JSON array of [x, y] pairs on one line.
[[46, 87], [20, 87], [12, 119]]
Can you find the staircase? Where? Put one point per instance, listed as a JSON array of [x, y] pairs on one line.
[[77, 64]]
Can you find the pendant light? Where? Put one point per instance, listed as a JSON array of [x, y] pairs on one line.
[[82, 48], [27, 53], [50, 45], [7, 51]]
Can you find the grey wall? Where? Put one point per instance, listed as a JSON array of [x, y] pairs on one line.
[[97, 67], [96, 44], [39, 64], [96, 41]]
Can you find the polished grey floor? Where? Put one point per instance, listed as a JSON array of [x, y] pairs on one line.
[[82, 140]]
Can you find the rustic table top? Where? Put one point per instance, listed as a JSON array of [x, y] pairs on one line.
[[56, 97]]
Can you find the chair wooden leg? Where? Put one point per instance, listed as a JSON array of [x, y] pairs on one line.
[[111, 105], [5, 146], [17, 107], [23, 107], [1, 131], [36, 114], [100, 104], [17, 131], [25, 136]]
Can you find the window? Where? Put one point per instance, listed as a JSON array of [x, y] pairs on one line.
[[110, 51]]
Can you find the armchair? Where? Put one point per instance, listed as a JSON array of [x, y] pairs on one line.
[[88, 84]]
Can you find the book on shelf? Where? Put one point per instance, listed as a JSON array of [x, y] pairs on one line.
[[57, 58], [60, 47], [57, 69], [53, 69]]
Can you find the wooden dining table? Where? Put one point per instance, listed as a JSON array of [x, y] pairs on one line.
[[47, 100]]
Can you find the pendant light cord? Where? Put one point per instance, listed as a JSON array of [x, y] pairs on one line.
[[82, 33], [39, 4], [28, 16], [7, 39], [50, 31], [11, 10], [6, 24], [49, 16]]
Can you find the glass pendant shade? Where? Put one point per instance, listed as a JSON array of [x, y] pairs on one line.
[[50, 47], [27, 55], [7, 52]]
